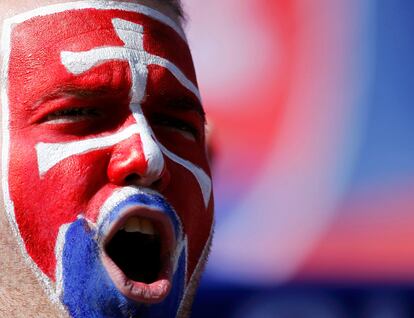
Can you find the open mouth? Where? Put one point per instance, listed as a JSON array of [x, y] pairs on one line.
[[137, 254], [137, 235]]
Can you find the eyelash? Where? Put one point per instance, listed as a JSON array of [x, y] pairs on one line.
[[73, 114], [183, 126], [77, 114]]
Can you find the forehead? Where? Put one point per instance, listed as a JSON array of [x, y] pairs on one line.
[[160, 10], [33, 42]]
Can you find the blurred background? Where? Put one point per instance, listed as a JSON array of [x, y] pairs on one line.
[[312, 131]]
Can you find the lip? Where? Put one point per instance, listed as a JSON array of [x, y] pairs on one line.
[[158, 290]]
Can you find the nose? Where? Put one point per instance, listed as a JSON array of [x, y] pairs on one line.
[[135, 161]]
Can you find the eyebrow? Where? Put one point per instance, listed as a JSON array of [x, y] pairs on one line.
[[186, 104], [183, 104], [77, 92]]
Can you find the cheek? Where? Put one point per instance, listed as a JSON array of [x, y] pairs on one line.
[[71, 182], [196, 219], [43, 204]]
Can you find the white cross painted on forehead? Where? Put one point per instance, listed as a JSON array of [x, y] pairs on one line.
[[132, 35], [138, 59]]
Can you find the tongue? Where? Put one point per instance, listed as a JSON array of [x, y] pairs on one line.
[[137, 255]]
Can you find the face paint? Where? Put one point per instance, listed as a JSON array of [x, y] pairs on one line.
[[103, 147]]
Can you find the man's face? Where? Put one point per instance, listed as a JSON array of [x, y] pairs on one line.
[[106, 180]]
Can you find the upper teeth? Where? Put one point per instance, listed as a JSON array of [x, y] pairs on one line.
[[137, 224]]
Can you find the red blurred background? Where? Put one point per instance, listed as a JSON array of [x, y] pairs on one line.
[[309, 107]]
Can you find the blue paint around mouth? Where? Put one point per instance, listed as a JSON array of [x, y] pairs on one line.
[[88, 291]]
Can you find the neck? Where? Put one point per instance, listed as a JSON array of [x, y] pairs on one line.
[[21, 295]]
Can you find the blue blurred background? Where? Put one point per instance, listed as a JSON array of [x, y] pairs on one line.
[[311, 123]]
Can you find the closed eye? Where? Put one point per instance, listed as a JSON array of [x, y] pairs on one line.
[[186, 129], [72, 115]]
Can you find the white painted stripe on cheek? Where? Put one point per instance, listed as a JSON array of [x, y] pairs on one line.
[[194, 279], [202, 178], [50, 154], [60, 244]]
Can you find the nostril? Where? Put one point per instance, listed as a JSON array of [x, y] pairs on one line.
[[132, 178], [158, 184]]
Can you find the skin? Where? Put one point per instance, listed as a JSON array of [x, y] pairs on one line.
[[20, 292]]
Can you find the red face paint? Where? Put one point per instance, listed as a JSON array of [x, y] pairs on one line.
[[75, 133]]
